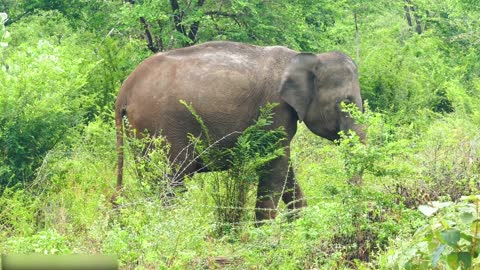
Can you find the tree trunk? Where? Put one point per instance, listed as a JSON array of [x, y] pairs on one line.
[[357, 38], [407, 14], [148, 36], [410, 8]]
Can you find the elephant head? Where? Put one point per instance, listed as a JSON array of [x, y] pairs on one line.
[[316, 85]]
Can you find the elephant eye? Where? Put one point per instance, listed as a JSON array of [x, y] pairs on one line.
[[344, 102], [344, 105]]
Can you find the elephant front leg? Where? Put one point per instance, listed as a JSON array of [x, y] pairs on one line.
[[267, 202], [278, 183]]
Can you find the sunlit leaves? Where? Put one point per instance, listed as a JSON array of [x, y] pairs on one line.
[[4, 34], [451, 238]]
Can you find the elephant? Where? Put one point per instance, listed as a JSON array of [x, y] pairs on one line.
[[227, 82]]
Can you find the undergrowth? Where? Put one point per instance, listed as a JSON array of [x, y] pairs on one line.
[[66, 209]]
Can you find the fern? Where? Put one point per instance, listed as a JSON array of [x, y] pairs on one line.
[[254, 149]]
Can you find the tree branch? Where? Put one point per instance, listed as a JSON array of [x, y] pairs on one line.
[[357, 38], [407, 14], [12, 20], [232, 16], [148, 36], [417, 21], [192, 34], [177, 17], [220, 13], [413, 9], [160, 44]]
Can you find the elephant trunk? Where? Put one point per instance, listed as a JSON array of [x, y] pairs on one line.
[[349, 124], [360, 131], [357, 179]]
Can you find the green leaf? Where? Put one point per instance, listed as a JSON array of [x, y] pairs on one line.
[[471, 198], [465, 258], [451, 237], [441, 205], [452, 260], [467, 217], [427, 210], [466, 237], [437, 254]]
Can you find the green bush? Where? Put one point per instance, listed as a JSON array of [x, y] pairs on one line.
[[246, 161], [63, 203], [151, 164], [450, 240], [17, 213], [54, 79], [47, 242], [62, 63], [33, 116]]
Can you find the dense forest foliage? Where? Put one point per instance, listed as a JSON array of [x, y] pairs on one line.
[[63, 61]]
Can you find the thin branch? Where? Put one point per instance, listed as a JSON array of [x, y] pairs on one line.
[[16, 19], [148, 36], [177, 17], [407, 14], [160, 44], [413, 9], [192, 34], [223, 14], [189, 3], [417, 21], [357, 38]]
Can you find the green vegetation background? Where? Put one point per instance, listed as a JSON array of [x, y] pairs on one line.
[[62, 64]]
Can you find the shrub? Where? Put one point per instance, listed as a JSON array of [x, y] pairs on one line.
[[152, 165], [450, 239], [446, 158], [52, 79], [17, 213], [254, 149], [33, 117], [47, 242]]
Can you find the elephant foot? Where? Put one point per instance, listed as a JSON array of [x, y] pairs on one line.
[[113, 201], [264, 211], [293, 214], [294, 199], [293, 203]]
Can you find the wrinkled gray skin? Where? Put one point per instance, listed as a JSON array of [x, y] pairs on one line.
[[227, 83]]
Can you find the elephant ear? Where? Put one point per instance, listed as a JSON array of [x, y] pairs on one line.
[[297, 88]]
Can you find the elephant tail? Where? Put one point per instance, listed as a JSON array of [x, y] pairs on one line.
[[119, 114]]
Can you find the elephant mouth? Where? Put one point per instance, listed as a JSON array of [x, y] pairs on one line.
[[330, 135], [333, 136]]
